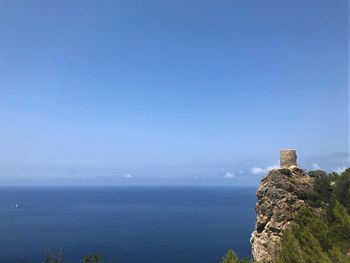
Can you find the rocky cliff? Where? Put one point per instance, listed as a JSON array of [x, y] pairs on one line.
[[277, 201]]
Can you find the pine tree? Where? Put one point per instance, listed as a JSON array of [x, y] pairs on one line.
[[230, 257]]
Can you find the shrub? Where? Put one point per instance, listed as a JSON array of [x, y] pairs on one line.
[[312, 238]]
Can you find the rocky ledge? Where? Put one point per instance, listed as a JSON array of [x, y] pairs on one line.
[[277, 201]]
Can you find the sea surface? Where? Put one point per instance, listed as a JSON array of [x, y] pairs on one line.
[[130, 224]]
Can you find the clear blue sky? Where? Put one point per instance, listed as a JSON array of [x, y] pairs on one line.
[[170, 91]]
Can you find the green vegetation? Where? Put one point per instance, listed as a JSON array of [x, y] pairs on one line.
[[321, 231], [285, 171], [53, 257], [95, 258], [231, 257], [57, 257]]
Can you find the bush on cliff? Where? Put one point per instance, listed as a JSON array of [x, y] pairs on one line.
[[53, 256], [57, 257], [316, 238], [231, 257], [95, 258]]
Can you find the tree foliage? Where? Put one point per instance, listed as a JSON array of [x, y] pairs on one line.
[[95, 258], [53, 256], [57, 257], [230, 257], [321, 239]]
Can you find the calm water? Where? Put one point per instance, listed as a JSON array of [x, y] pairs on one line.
[[133, 224]]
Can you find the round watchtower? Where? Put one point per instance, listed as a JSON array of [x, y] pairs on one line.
[[288, 158]]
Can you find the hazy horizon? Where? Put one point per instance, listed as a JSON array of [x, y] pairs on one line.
[[170, 92]]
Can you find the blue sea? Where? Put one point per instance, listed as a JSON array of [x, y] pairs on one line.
[[130, 224]]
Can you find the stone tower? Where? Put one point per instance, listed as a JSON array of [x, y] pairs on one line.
[[288, 158]]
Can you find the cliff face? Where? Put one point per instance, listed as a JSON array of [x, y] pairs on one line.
[[277, 201]]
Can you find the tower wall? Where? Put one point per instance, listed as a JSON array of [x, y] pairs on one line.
[[288, 158]]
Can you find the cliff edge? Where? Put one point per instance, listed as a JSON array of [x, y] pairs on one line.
[[277, 200]]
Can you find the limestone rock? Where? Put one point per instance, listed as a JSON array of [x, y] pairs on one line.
[[277, 201]]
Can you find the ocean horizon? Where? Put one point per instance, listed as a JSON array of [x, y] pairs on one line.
[[128, 223]]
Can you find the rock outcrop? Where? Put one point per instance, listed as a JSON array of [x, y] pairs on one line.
[[277, 201]]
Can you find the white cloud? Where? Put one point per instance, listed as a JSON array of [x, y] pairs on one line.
[[340, 170], [258, 170], [128, 176], [229, 175], [315, 166]]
